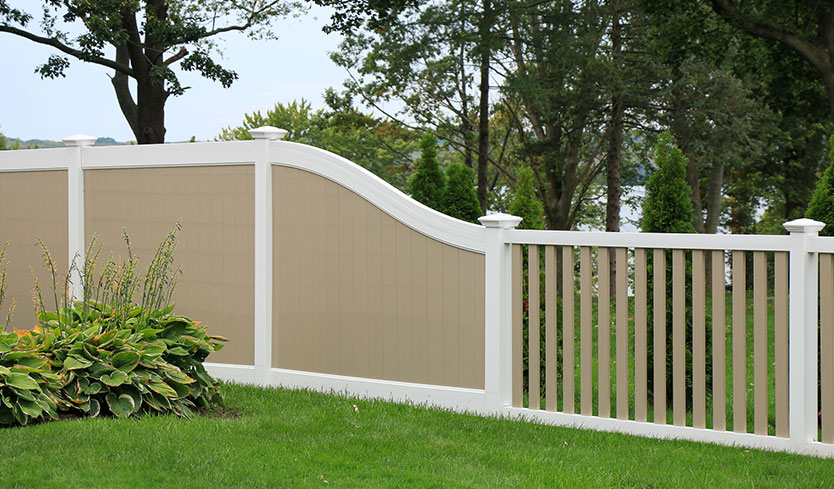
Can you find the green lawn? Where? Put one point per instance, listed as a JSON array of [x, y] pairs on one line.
[[298, 439]]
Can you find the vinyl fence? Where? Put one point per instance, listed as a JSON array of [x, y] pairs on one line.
[[324, 276]]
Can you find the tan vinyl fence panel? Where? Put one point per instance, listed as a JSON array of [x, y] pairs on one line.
[[215, 247], [358, 293], [826, 263], [32, 205]]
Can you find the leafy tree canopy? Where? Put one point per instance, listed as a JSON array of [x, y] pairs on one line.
[[141, 40], [379, 146], [821, 207]]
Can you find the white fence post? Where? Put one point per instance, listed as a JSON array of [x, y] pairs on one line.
[[263, 251], [803, 333], [498, 314], [75, 206]]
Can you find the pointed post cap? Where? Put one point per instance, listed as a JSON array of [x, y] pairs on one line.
[[500, 221], [79, 140], [268, 132], [804, 226]]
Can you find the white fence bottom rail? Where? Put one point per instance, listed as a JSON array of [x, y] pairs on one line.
[[475, 401]]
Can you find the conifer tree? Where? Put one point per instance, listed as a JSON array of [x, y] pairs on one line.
[[525, 204], [428, 182], [821, 207], [667, 207], [459, 198]]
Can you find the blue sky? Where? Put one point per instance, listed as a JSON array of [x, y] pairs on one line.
[[293, 67]]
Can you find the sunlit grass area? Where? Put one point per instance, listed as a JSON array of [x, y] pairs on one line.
[[295, 439]]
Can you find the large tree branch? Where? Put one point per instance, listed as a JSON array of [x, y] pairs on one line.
[[251, 20], [176, 57], [75, 53], [808, 50], [123, 96]]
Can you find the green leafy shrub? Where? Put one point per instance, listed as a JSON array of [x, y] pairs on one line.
[[821, 207], [106, 354]]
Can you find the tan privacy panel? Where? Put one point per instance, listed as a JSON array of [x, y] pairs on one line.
[[358, 293], [216, 244], [32, 205]]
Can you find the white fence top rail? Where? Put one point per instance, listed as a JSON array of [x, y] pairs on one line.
[[132, 156], [29, 160], [650, 240], [821, 244]]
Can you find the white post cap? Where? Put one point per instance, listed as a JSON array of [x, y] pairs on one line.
[[804, 226], [79, 140], [501, 221], [268, 132]]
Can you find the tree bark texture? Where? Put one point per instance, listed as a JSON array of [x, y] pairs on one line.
[[615, 145], [483, 117]]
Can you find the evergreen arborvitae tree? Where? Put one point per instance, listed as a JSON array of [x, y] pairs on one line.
[[525, 204], [667, 207], [459, 198], [428, 182], [821, 207]]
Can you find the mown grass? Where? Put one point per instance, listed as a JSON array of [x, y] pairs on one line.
[[300, 439]]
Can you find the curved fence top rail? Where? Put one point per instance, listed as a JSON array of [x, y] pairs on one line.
[[380, 193]]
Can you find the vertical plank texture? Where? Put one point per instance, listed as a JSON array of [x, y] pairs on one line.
[[518, 319], [534, 327], [719, 365], [640, 340], [827, 346], [699, 391], [550, 333], [659, 326], [621, 278], [760, 343], [678, 338], [739, 344], [585, 341], [568, 338], [780, 312], [604, 332]]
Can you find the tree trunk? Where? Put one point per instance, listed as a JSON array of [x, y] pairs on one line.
[[693, 179], [122, 89], [715, 199], [615, 144], [151, 98], [150, 94], [483, 116]]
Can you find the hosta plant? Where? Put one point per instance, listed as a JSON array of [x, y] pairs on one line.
[[106, 353]]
